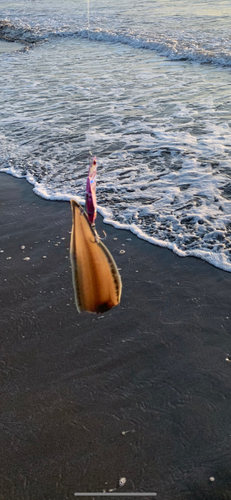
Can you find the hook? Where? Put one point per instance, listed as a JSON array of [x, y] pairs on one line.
[[97, 237]]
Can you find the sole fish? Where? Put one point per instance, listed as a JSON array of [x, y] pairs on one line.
[[96, 280]]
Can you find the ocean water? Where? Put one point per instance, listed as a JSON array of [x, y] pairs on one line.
[[146, 87]]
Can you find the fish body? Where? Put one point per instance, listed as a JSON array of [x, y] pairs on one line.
[[96, 279]]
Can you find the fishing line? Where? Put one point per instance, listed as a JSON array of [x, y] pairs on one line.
[[89, 89]]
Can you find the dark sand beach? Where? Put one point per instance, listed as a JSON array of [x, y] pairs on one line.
[[142, 392]]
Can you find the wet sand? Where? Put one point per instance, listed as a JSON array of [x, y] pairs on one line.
[[141, 392]]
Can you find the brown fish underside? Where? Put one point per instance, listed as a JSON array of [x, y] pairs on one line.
[[96, 280]]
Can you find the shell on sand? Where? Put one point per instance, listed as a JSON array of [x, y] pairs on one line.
[[96, 280]]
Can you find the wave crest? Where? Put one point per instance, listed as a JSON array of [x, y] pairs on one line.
[[171, 48]]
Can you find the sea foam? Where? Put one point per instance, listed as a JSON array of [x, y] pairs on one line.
[[160, 129]]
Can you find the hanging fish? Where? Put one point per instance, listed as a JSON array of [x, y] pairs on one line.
[[96, 280]]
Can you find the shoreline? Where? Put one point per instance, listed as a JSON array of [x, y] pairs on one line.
[[141, 392], [214, 259]]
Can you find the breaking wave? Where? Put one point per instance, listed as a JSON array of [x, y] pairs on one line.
[[183, 49]]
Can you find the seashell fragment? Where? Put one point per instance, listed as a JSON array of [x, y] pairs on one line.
[[122, 481]]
